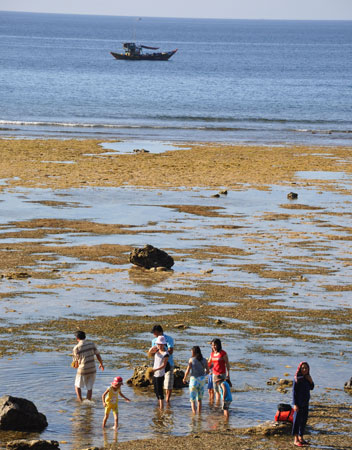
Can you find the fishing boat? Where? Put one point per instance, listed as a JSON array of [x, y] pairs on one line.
[[134, 52]]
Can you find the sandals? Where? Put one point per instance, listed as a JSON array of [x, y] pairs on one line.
[[301, 443]]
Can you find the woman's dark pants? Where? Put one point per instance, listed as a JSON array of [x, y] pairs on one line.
[[159, 387], [299, 421]]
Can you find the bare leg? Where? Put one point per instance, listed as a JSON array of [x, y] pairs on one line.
[[89, 394], [226, 415], [217, 398], [193, 406], [211, 395], [106, 416], [168, 395], [199, 406], [116, 421], [161, 404], [78, 393]]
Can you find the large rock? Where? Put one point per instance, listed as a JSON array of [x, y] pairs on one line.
[[149, 257], [19, 414], [141, 378], [35, 444]]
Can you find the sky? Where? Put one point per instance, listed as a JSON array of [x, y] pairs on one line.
[[230, 9]]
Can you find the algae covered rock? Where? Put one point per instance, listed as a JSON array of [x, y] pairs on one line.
[[151, 257], [34, 444], [142, 377]]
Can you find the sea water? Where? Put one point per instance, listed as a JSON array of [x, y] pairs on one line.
[[248, 81]]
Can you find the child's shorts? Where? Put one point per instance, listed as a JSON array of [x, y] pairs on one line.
[[113, 408], [210, 381], [226, 405]]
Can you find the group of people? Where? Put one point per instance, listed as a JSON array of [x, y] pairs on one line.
[[213, 372]]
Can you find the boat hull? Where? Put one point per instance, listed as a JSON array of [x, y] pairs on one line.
[[163, 56]]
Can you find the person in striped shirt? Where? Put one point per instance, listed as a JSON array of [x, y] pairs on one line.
[[83, 360]]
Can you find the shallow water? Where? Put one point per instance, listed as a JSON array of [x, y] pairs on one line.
[[269, 238]]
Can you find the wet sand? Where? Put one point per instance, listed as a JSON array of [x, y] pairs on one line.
[[58, 164], [272, 273]]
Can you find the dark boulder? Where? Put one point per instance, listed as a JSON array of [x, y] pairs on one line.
[[19, 414], [150, 256], [35, 444], [292, 196]]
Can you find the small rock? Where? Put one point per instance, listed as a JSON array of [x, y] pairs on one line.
[[285, 382], [207, 271], [140, 150], [348, 385], [218, 322], [180, 326], [292, 196], [216, 196], [272, 381], [224, 192]]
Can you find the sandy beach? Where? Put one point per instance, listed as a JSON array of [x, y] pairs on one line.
[[269, 275]]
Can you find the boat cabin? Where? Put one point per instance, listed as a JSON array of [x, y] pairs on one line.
[[131, 49]]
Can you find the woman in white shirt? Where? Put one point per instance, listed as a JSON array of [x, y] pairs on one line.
[[161, 357]]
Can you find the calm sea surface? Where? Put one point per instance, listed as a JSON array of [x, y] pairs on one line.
[[231, 80]]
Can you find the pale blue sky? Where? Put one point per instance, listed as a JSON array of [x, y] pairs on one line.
[[231, 9]]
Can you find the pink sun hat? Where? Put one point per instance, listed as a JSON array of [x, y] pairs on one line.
[[117, 381], [161, 340]]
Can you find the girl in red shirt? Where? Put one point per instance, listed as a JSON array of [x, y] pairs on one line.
[[220, 362]]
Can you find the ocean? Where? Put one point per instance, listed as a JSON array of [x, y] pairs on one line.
[[241, 81]]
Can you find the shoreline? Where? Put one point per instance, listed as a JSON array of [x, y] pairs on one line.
[[275, 273]]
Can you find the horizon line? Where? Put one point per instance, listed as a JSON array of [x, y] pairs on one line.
[[174, 17]]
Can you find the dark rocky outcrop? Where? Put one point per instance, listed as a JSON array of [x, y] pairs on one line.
[[150, 257], [141, 377], [292, 196], [35, 444], [19, 414]]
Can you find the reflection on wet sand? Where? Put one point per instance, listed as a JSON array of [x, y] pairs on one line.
[[147, 278], [162, 421], [83, 423], [110, 438]]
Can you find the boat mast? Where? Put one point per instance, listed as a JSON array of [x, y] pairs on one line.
[[134, 29]]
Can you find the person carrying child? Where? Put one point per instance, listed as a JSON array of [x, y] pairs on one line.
[[110, 400], [225, 393], [161, 357], [302, 385]]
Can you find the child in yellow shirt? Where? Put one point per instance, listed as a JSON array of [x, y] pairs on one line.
[[110, 400]]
